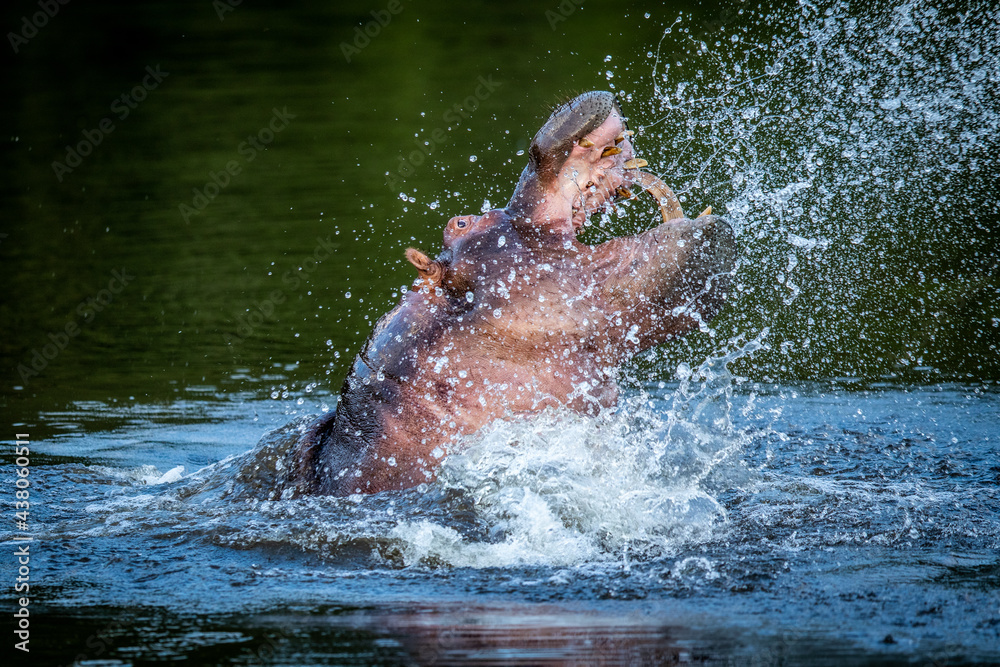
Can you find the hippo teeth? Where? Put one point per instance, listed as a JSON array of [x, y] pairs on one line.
[[636, 163], [585, 143], [621, 137], [670, 207], [610, 150], [622, 191]]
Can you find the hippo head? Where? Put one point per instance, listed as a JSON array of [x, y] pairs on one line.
[[581, 159], [470, 243]]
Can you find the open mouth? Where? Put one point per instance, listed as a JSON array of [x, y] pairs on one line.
[[606, 191], [666, 200]]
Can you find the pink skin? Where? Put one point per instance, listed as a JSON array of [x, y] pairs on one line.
[[585, 183], [515, 316]]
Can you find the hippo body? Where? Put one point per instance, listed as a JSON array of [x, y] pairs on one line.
[[514, 316], [546, 326]]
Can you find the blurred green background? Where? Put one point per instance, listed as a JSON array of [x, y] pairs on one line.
[[229, 297]]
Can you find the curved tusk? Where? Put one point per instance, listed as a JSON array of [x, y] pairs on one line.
[[670, 207]]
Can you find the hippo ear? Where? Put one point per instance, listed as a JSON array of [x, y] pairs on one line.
[[426, 267]]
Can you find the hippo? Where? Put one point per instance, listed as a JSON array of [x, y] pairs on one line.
[[516, 315]]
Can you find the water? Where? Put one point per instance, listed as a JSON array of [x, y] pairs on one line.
[[776, 522], [856, 153], [812, 479]]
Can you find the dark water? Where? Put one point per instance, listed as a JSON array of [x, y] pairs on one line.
[[825, 492], [822, 523]]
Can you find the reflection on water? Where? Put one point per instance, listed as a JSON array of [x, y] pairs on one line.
[[447, 634]]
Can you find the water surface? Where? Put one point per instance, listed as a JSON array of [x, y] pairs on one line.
[[821, 522]]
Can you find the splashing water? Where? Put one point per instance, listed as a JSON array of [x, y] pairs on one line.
[[820, 141], [839, 106], [560, 489], [554, 489], [854, 150]]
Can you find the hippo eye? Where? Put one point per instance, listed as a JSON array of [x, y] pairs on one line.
[[462, 224]]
